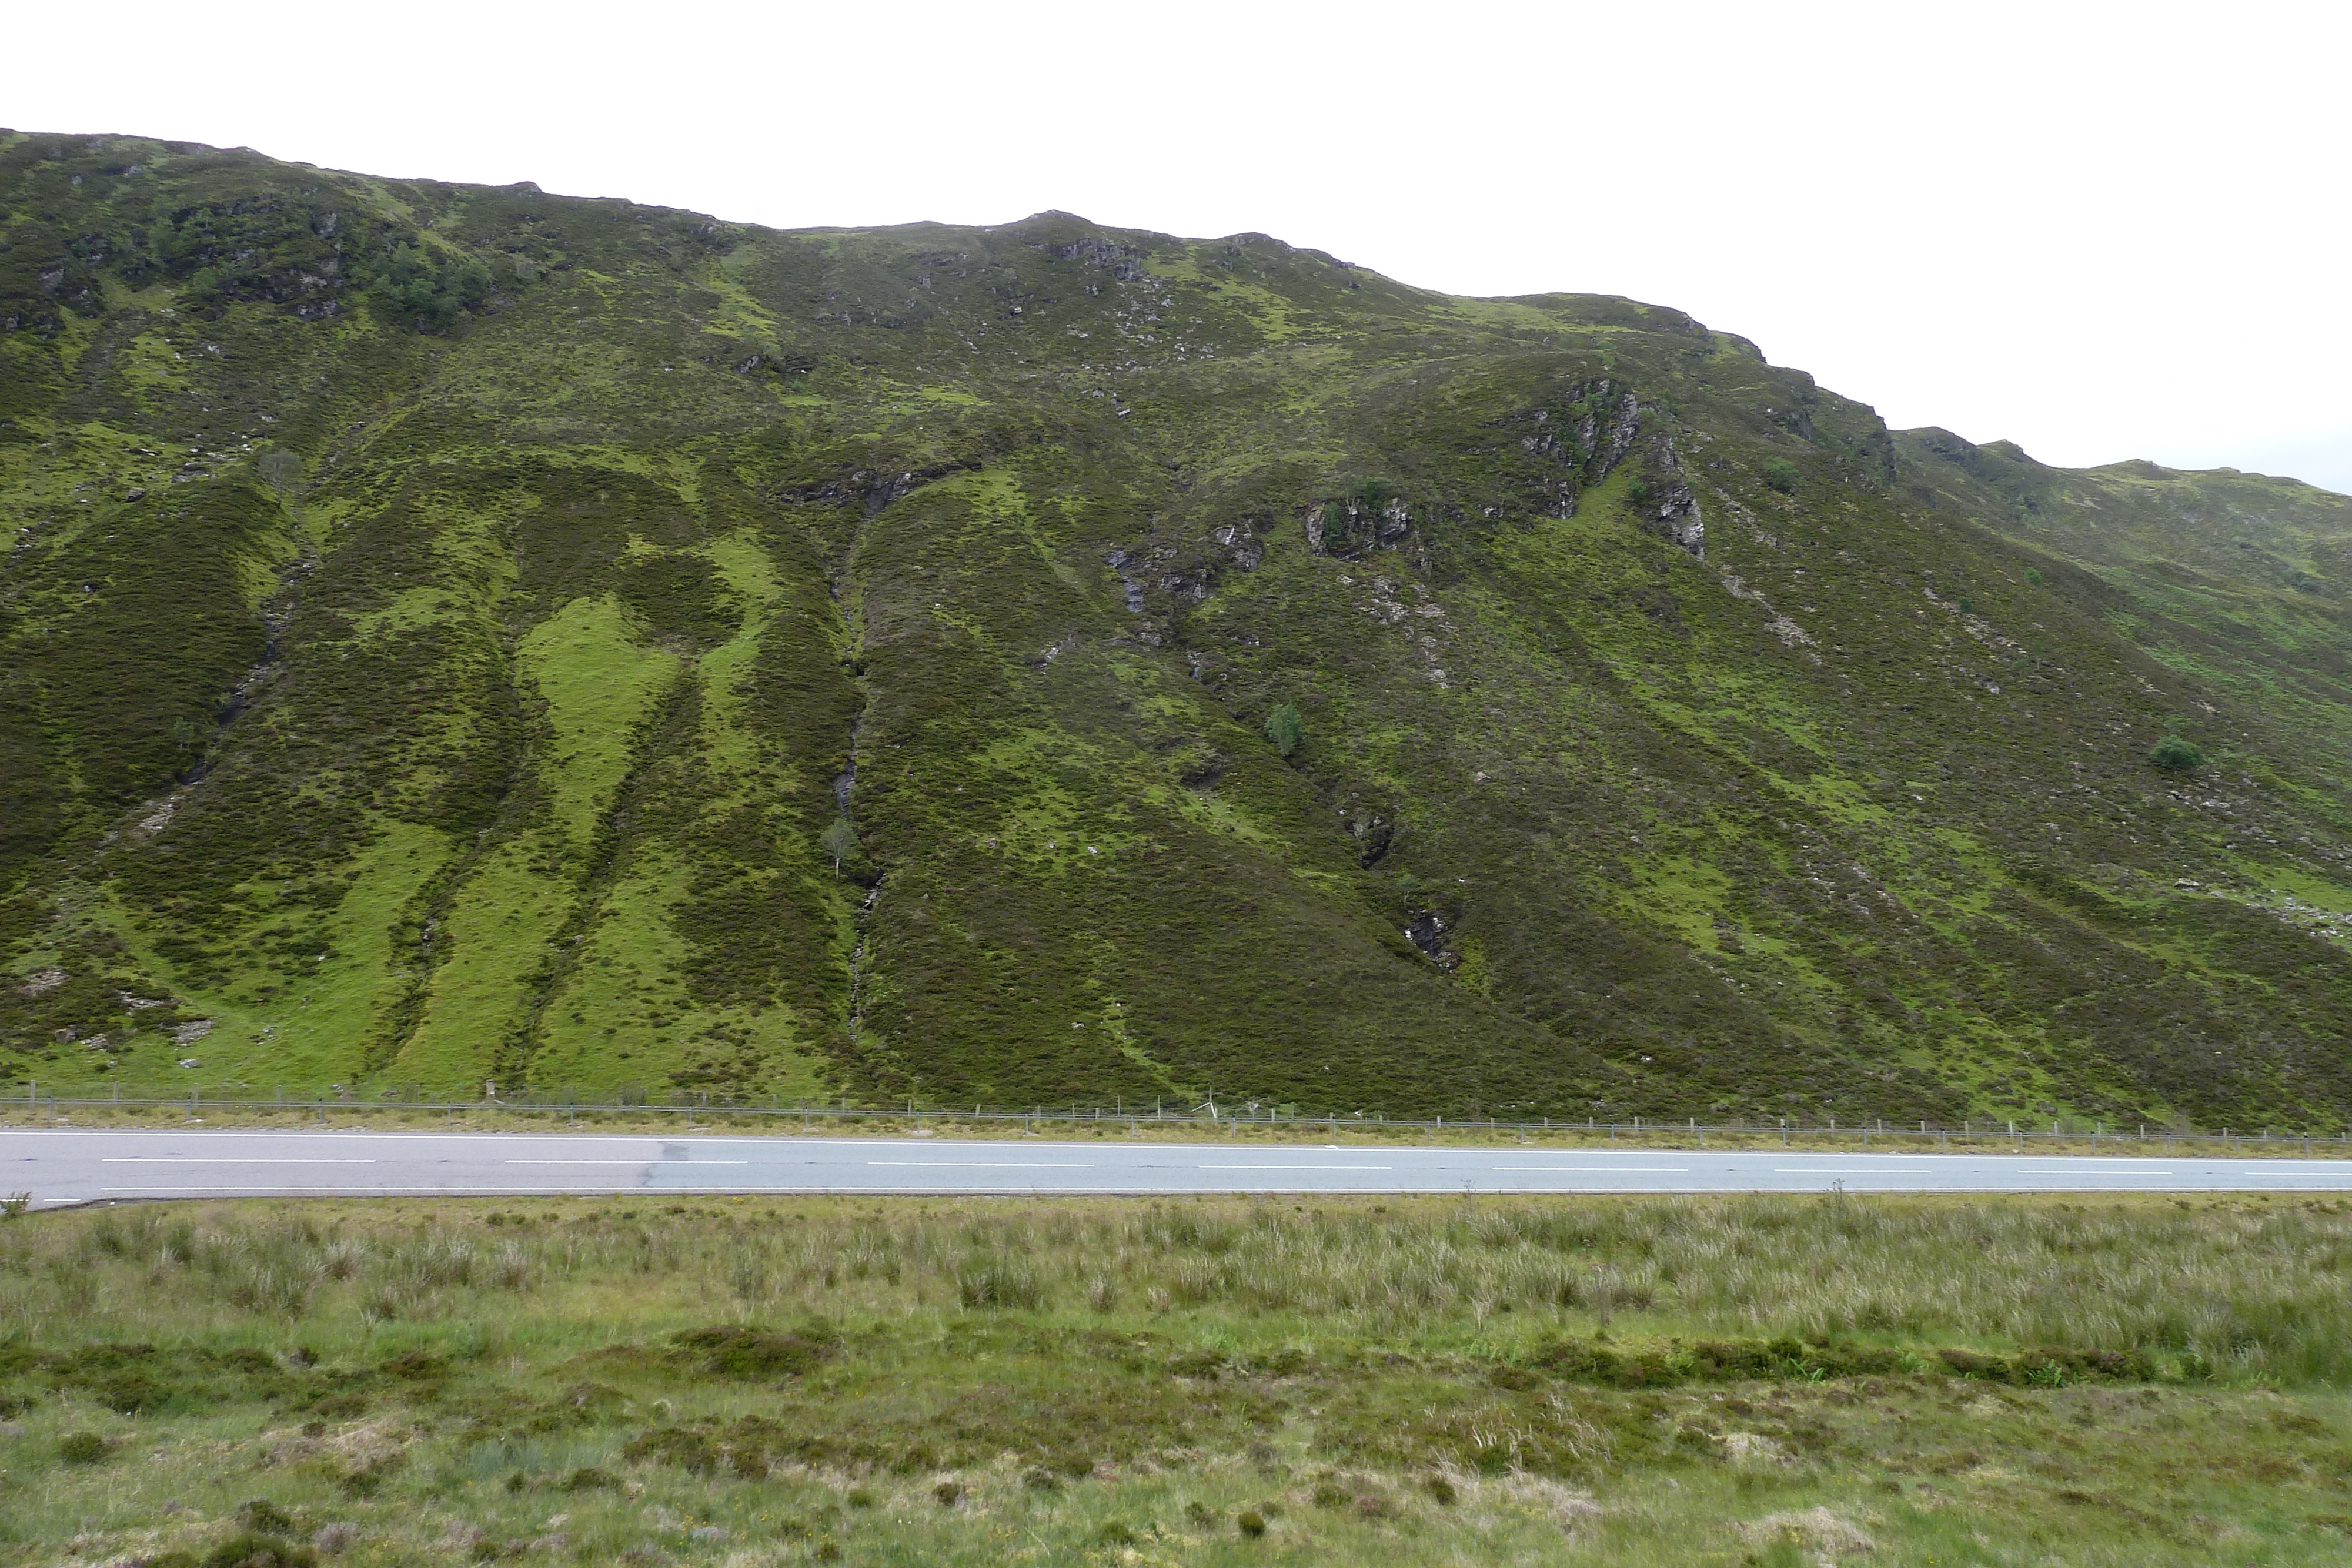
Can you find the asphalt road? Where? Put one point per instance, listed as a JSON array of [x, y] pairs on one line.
[[73, 1166]]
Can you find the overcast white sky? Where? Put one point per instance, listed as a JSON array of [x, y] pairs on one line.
[[2103, 230]]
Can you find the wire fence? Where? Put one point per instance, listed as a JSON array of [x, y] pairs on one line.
[[776, 1113]]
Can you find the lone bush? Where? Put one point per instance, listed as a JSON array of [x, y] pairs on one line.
[[263, 1515], [1781, 474], [82, 1448], [2175, 755], [255, 1548], [1284, 729]]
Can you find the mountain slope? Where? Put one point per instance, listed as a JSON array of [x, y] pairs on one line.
[[459, 635]]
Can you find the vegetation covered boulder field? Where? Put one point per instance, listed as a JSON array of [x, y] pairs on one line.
[[454, 634]]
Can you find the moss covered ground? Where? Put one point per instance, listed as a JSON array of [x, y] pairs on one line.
[[459, 636]]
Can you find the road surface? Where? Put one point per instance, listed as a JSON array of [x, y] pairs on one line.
[[64, 1166]]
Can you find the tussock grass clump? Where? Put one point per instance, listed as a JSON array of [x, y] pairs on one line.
[[1000, 1282]]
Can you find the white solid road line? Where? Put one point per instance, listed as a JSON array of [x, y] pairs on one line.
[[987, 1165], [648, 1161], [1286, 1168], [1662, 1170], [220, 1160]]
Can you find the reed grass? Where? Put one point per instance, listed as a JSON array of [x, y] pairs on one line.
[[2252, 1289]]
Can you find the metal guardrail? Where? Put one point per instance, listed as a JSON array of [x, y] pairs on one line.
[[808, 1114]]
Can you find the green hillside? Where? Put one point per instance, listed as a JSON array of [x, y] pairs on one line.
[[459, 635]]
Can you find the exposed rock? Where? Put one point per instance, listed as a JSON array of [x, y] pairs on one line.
[[1125, 262], [1623, 426], [1426, 931], [1245, 548], [1679, 515]]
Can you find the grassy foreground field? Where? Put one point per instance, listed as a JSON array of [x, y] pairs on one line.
[[745, 1382]]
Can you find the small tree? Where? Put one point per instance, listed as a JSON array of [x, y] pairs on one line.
[[1334, 525], [1781, 474], [840, 842], [1284, 727], [2175, 755]]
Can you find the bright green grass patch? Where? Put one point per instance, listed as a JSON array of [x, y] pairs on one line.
[[599, 683], [490, 942]]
